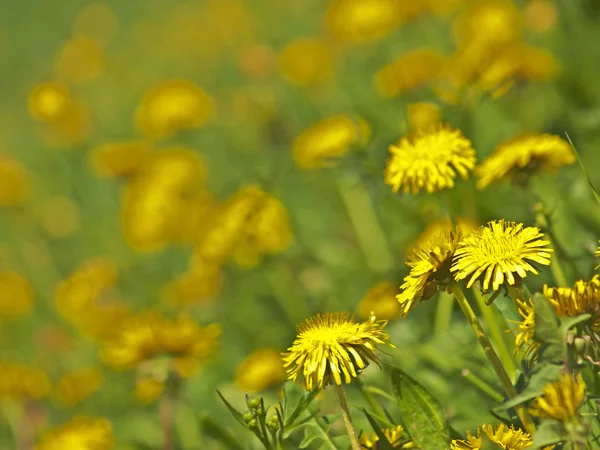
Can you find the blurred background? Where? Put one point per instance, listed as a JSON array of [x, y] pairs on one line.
[[211, 172]]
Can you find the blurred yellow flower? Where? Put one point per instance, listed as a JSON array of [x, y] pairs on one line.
[[325, 142], [201, 282], [332, 345], [540, 15], [59, 216], [429, 159], [80, 60], [121, 158], [423, 115], [147, 390], [79, 433], [465, 224], [395, 436], [14, 184], [306, 62], [172, 106], [69, 130], [381, 301], [16, 294], [149, 335], [50, 101], [430, 269], [73, 387], [366, 20], [535, 64], [519, 157], [259, 370], [408, 72], [195, 213], [507, 438], [22, 381], [501, 250], [490, 22], [561, 399], [97, 21]]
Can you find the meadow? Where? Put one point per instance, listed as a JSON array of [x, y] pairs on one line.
[[365, 224]]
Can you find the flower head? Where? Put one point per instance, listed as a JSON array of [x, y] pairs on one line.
[[429, 159], [520, 156], [507, 438], [430, 269], [73, 387], [525, 334], [80, 433], [561, 399], [497, 252], [22, 381], [437, 227], [333, 347], [259, 370], [49, 102], [394, 435]]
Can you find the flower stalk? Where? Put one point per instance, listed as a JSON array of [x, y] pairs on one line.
[[347, 419]]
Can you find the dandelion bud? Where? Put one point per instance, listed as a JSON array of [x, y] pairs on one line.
[[252, 423], [247, 417], [253, 402]]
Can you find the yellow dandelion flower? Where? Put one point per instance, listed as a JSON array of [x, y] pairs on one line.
[[394, 435], [16, 294], [73, 387], [117, 159], [49, 102], [381, 300], [15, 183], [507, 438], [22, 381], [493, 22], [423, 115], [561, 399], [523, 155], [306, 62], [582, 298], [501, 250], [325, 142], [149, 335], [535, 64], [430, 270], [408, 72], [81, 433], [429, 159], [465, 224], [173, 106], [80, 60], [525, 333], [259, 370], [366, 20], [333, 348]]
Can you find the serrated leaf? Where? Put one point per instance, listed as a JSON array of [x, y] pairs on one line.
[[234, 412], [217, 432], [422, 414], [543, 376], [382, 443], [548, 432]]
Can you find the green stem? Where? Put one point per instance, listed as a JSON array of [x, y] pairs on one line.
[[489, 351], [347, 419], [371, 401], [363, 217], [443, 314], [491, 317], [556, 266], [482, 385]]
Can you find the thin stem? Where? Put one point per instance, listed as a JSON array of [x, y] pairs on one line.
[[489, 351], [165, 412], [498, 335], [371, 401], [443, 313], [556, 266], [347, 420], [482, 385]]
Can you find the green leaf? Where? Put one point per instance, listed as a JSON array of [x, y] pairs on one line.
[[422, 414], [382, 443], [547, 325], [303, 403], [583, 169], [546, 374], [566, 323], [548, 432], [217, 432], [320, 431], [234, 412]]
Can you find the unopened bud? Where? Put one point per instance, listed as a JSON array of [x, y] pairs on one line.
[[252, 423], [253, 402], [248, 416]]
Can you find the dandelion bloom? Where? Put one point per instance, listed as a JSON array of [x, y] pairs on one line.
[[22, 381], [82, 433], [430, 269], [173, 106], [500, 250], [525, 332], [394, 435], [333, 347], [16, 294], [490, 23], [50, 101], [408, 72], [432, 229], [561, 399], [259, 370], [519, 157], [325, 142], [306, 62], [506, 437], [117, 159], [381, 300], [429, 159], [75, 386]]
